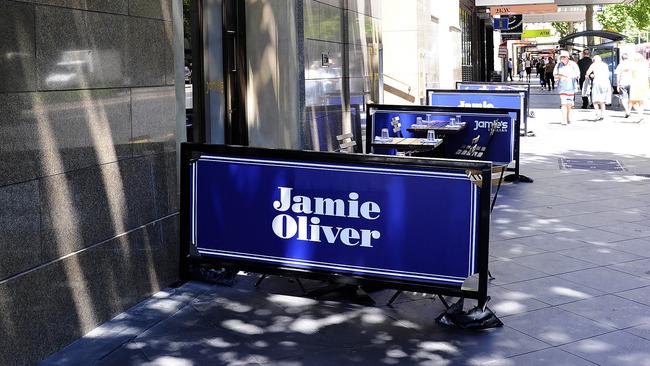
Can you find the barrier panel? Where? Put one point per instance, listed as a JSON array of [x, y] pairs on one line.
[[496, 128], [472, 98], [501, 86], [403, 223]]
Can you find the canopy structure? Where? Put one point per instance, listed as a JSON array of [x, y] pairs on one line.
[[611, 36]]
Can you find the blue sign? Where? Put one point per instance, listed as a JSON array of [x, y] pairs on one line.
[[476, 100], [392, 223], [466, 86], [500, 23], [500, 146]]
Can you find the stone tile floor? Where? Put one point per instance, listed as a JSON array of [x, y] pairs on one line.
[[570, 253]]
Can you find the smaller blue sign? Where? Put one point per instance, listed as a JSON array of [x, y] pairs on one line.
[[476, 100], [500, 23], [499, 145], [464, 86]]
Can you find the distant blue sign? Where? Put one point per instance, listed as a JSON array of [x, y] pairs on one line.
[[335, 217], [500, 23], [466, 86], [476, 100]]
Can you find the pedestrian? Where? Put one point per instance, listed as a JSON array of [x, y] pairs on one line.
[[601, 88], [548, 74], [584, 64], [639, 89], [540, 73], [509, 69], [566, 72], [529, 68], [623, 77], [520, 70]]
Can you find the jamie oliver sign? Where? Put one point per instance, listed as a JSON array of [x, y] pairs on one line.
[[398, 223]]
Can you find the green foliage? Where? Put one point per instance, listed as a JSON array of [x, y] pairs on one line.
[[624, 18], [564, 28], [187, 20]]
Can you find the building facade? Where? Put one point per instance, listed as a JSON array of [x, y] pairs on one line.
[[88, 193]]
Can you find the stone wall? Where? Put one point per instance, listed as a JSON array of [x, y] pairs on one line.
[[88, 185]]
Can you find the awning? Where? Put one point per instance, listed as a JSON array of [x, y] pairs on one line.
[[612, 36]]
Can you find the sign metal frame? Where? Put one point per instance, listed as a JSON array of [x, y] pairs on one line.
[[189, 256]]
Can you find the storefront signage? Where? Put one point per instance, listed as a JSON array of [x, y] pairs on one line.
[[535, 33], [523, 9], [357, 219], [511, 2], [515, 25]]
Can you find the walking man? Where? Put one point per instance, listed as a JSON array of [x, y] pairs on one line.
[[509, 69], [583, 65]]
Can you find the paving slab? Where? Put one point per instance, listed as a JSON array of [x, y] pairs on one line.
[[605, 279], [599, 255], [554, 290], [616, 348], [546, 357], [611, 310], [556, 326]]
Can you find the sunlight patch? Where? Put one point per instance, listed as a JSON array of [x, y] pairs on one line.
[[239, 326], [565, 291]]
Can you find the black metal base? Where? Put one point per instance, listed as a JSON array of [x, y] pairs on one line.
[[225, 276], [474, 319], [343, 293], [517, 178]]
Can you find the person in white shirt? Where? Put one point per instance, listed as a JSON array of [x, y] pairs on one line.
[[601, 89], [566, 72]]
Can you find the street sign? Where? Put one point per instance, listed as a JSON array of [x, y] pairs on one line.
[[510, 36], [503, 49], [501, 23], [535, 33], [515, 24]]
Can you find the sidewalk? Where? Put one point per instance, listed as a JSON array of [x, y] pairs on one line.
[[570, 253]]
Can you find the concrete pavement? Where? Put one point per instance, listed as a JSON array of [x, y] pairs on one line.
[[570, 253]]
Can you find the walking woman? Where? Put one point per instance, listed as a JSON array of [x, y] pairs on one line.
[[566, 72], [623, 78], [601, 88], [639, 89]]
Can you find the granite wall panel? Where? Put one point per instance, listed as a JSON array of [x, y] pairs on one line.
[[107, 6], [146, 52], [19, 150], [88, 192], [80, 50], [157, 9], [168, 44], [20, 244], [153, 120], [82, 291], [90, 205], [53, 132], [165, 180], [17, 52]]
